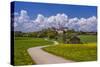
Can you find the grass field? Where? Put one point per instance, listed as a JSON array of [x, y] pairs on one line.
[[21, 44], [88, 38], [77, 52], [84, 38]]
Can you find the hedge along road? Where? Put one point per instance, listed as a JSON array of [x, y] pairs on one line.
[[43, 57]]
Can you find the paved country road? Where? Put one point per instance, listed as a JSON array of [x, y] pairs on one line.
[[42, 57]]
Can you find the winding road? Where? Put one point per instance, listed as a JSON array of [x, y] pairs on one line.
[[42, 57]]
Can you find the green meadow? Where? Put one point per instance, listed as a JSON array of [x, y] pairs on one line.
[[77, 52], [21, 44], [88, 38]]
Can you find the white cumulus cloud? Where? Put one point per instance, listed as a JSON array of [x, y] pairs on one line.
[[22, 22]]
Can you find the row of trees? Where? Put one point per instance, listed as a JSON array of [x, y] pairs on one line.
[[50, 33], [69, 36]]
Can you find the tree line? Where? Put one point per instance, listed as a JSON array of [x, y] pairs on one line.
[[50, 33]]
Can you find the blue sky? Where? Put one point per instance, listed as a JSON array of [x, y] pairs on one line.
[[46, 9], [30, 16]]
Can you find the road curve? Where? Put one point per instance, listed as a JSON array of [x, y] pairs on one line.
[[42, 57]]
